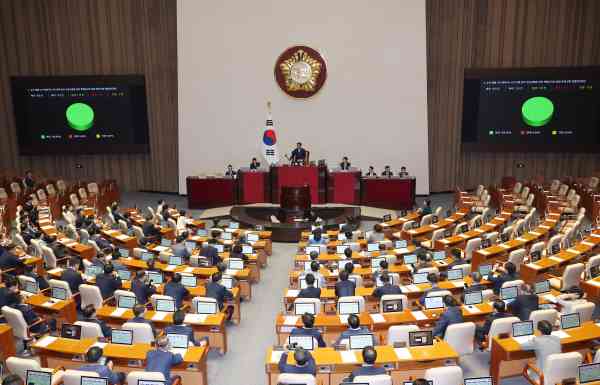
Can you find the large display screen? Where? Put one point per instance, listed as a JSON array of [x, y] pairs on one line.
[[538, 109], [80, 114]]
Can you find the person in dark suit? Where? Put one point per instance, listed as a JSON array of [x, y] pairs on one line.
[[179, 327], [354, 328], [254, 164], [371, 171], [141, 288], [175, 289], [88, 316], [72, 276], [482, 331], [344, 287], [452, 315], [236, 252], [305, 363], [9, 291], [308, 329], [9, 259], [383, 268], [108, 281], [28, 180], [317, 237], [524, 303], [502, 274], [57, 247], [179, 249], [368, 367], [210, 252], [387, 172], [424, 261], [138, 316], [310, 291], [42, 283], [345, 164], [151, 231], [92, 358], [387, 287], [162, 360], [217, 291], [298, 155], [433, 280], [114, 208]]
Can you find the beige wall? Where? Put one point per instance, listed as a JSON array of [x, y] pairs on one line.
[[372, 108]]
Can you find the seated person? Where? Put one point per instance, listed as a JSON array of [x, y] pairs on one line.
[[210, 252], [230, 171], [179, 327], [387, 287], [482, 331], [368, 367], [88, 313], [151, 266], [313, 256], [348, 253], [573, 296], [72, 276], [92, 357], [377, 235], [354, 328], [345, 164], [222, 268], [175, 289], [452, 315], [526, 302], [236, 252], [298, 155], [317, 237], [371, 171], [426, 207], [9, 292], [179, 249], [12, 379], [8, 257], [108, 281], [58, 248], [30, 271], [310, 291], [404, 174], [114, 208], [344, 287], [141, 288], [543, 344], [162, 360], [475, 284], [28, 180], [424, 261], [151, 231], [314, 270], [308, 322], [255, 164], [304, 363], [458, 258], [217, 291], [350, 235], [387, 172], [499, 275], [383, 268], [35, 322], [433, 280], [138, 316]]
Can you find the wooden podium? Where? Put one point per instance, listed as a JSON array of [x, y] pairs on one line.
[[299, 176], [344, 186], [254, 186]]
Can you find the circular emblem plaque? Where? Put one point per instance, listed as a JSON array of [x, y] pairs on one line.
[[300, 71]]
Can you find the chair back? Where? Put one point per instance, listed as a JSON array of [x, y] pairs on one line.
[[472, 245], [560, 366], [399, 333], [572, 275], [447, 375], [392, 297], [553, 241], [500, 326], [315, 301], [51, 190], [61, 186], [123, 293], [426, 220], [379, 379], [517, 257], [460, 336], [550, 315], [585, 310], [62, 285], [142, 332], [74, 200], [134, 376], [20, 366], [82, 193], [138, 232], [465, 267], [90, 329], [73, 377], [90, 295], [16, 321], [296, 378]]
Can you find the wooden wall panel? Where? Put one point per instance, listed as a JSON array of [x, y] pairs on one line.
[[494, 34], [71, 37]]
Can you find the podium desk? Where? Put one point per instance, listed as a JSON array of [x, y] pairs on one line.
[[254, 186], [388, 193], [344, 186], [298, 176], [211, 192]]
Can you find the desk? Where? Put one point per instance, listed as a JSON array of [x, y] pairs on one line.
[[7, 342], [211, 192], [388, 193], [298, 176], [65, 311], [254, 186], [332, 368], [507, 349], [461, 239], [56, 352], [423, 231], [344, 187], [120, 240]]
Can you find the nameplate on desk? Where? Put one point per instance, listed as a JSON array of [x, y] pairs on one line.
[[556, 259], [419, 315], [377, 318], [44, 342], [122, 237], [276, 355], [159, 315], [290, 320], [588, 244], [561, 334], [499, 218], [348, 357], [549, 298], [170, 267], [535, 233], [188, 270], [195, 318], [292, 293], [48, 304], [403, 354], [118, 312]]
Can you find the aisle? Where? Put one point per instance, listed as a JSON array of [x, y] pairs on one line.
[[244, 362]]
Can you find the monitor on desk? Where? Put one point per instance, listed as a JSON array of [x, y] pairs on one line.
[[151, 382], [410, 259], [30, 287], [419, 278], [524, 328], [376, 261], [473, 298], [206, 307], [85, 380], [310, 249], [146, 256], [569, 321], [202, 232], [535, 255], [124, 275], [121, 337], [392, 305], [594, 271], [485, 243], [175, 260], [165, 305], [189, 280], [420, 338], [220, 248], [504, 237], [227, 282], [485, 269], [124, 252], [307, 265], [126, 301], [478, 381], [455, 274], [178, 341], [252, 237], [387, 217], [234, 225], [372, 247], [434, 302], [71, 331], [340, 249], [58, 293], [415, 225], [235, 264], [92, 270], [341, 237], [400, 244], [555, 249], [305, 307], [542, 287], [348, 307], [509, 293], [155, 277], [439, 255], [360, 341], [305, 342], [190, 246], [247, 249], [447, 233], [166, 242], [429, 382], [589, 373], [38, 377]]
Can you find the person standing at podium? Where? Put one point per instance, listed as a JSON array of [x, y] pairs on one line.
[[387, 172], [254, 165], [298, 155], [371, 171], [345, 165]]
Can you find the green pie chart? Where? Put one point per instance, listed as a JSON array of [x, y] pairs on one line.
[[80, 116], [537, 111]]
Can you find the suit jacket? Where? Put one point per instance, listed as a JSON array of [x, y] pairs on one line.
[[523, 305], [298, 154], [8, 260], [309, 368], [150, 230], [211, 254], [498, 280], [142, 290], [179, 250], [386, 289], [316, 333], [107, 283], [177, 291], [219, 292], [310, 292], [345, 288], [345, 165], [367, 370], [159, 360], [452, 315], [73, 278], [182, 329]]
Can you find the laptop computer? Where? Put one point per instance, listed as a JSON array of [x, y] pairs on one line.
[[473, 298], [165, 305], [524, 328], [178, 341], [189, 280], [155, 277], [342, 237], [348, 307], [410, 259], [126, 302], [146, 256], [303, 285], [535, 256], [420, 338], [303, 307], [542, 287], [485, 243], [206, 307], [38, 377], [220, 248], [124, 275], [455, 274], [92, 270], [387, 217], [58, 293], [391, 305], [434, 302], [360, 341], [122, 337], [594, 271], [234, 225], [30, 287], [252, 237], [175, 260], [372, 247], [202, 232], [342, 264], [419, 278], [124, 252], [508, 294], [71, 331], [555, 249], [166, 242], [340, 249], [439, 255], [400, 244], [151, 382], [190, 246], [485, 269], [226, 236], [589, 373], [235, 264], [376, 261], [85, 380], [305, 342], [569, 321], [478, 381], [247, 249], [227, 282]]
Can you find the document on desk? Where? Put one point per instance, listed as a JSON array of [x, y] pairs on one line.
[[412, 288], [403, 354], [160, 249], [276, 355], [549, 298], [100, 345], [122, 237], [521, 239], [195, 318], [48, 304], [556, 259], [159, 315], [291, 293], [403, 250], [348, 357], [419, 315], [595, 235], [118, 312], [573, 251], [170, 268], [523, 339], [479, 231], [561, 334], [377, 318], [434, 226], [458, 283], [290, 320], [594, 283], [44, 342]]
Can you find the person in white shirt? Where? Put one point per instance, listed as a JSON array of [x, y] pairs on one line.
[[543, 345]]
